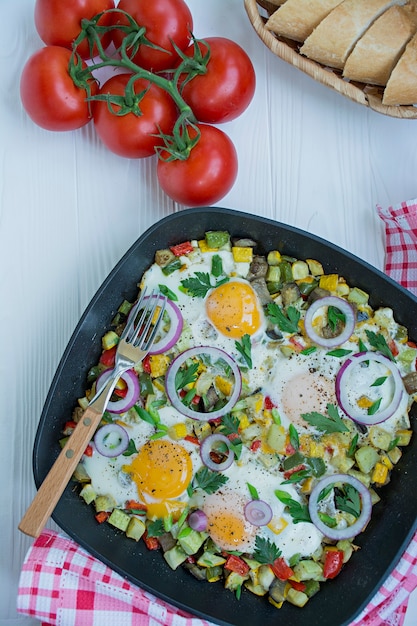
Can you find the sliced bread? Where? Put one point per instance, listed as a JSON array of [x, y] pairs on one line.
[[402, 84], [378, 50], [334, 38], [296, 19]]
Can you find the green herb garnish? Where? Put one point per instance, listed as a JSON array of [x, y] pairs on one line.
[[245, 349], [216, 265], [131, 448], [200, 284], [299, 512], [265, 552], [374, 408], [378, 342], [166, 291], [186, 376], [379, 381], [335, 315], [332, 423], [294, 439], [339, 352], [209, 481], [348, 500], [253, 492], [287, 323], [155, 528]]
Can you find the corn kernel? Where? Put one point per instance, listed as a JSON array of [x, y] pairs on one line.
[[242, 254], [159, 364], [329, 281], [277, 525], [364, 402], [178, 431], [109, 340], [223, 385], [380, 473]]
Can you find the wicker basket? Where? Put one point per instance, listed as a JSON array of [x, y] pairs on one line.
[[368, 95]]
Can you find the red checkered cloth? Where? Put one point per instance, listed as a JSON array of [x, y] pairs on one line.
[[62, 585], [401, 242]]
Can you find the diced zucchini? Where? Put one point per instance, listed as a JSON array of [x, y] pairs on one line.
[[80, 474], [329, 282], [175, 556], [135, 528], [308, 570], [342, 463], [316, 268], [403, 437], [209, 559], [358, 296], [274, 257], [88, 494], [380, 438], [255, 588], [119, 519], [213, 574], [217, 238], [395, 454], [265, 576], [312, 587], [104, 503], [298, 598], [273, 274], [234, 580], [366, 457], [276, 437], [346, 546], [109, 340], [299, 270], [364, 478], [191, 541]]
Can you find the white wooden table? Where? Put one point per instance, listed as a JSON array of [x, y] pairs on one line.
[[70, 209]]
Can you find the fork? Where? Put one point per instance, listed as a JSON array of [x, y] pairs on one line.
[[134, 344]]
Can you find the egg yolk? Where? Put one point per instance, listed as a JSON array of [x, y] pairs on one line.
[[306, 393], [162, 471], [233, 309], [226, 523]]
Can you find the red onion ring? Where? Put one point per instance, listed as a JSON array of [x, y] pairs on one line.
[[207, 446], [338, 303], [197, 520], [172, 393], [342, 389], [258, 512], [111, 440], [133, 391], [366, 507], [170, 338]]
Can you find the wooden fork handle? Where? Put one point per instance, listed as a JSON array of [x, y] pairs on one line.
[[50, 491]]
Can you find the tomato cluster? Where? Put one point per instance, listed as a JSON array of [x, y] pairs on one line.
[[168, 91]]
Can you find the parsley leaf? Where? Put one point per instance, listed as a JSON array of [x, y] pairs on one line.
[[155, 528], [209, 481], [299, 512], [335, 315], [186, 375], [245, 349], [332, 423], [265, 552], [378, 342], [348, 500], [200, 284], [131, 448], [288, 323], [230, 426]]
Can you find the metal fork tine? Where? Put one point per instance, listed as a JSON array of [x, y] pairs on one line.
[[143, 332], [149, 340], [130, 325]]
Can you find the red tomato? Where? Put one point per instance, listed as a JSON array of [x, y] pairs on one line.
[[166, 21], [48, 93], [58, 22], [131, 135], [207, 175], [227, 87]]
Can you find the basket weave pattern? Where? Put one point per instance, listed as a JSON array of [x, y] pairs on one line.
[[368, 95]]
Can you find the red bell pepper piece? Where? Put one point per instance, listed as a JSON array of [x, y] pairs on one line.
[[134, 505], [151, 543], [298, 585], [333, 563], [236, 564], [108, 356], [255, 445], [268, 404], [88, 451], [192, 439], [182, 248], [102, 516], [146, 364], [281, 569]]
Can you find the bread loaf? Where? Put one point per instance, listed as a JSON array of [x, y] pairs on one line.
[[296, 19], [402, 84], [378, 50], [333, 39], [373, 42]]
